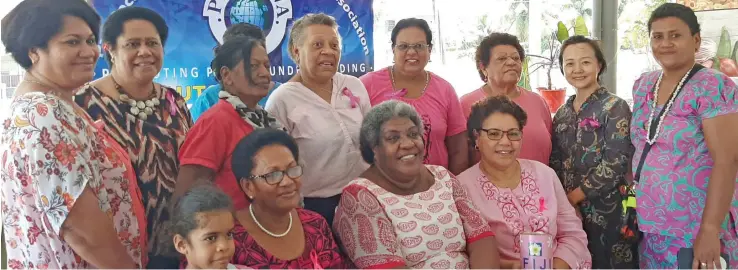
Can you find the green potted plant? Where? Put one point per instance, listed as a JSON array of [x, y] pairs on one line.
[[555, 95]]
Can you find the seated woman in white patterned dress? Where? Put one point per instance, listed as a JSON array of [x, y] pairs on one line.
[[401, 213]]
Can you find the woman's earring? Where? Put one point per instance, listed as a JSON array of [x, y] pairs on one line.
[[476, 147]]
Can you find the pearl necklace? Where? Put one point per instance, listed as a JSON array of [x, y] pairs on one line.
[[666, 109], [140, 108], [392, 77], [251, 210]]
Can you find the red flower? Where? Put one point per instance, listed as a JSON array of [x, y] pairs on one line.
[[15, 264], [65, 153]]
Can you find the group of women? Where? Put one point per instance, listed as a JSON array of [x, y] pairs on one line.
[[390, 170]]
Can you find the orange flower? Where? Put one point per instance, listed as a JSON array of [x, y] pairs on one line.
[[68, 200]]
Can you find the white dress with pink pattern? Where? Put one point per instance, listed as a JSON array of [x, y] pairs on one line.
[[430, 229]]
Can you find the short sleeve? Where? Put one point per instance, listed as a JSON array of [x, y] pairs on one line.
[[58, 158], [717, 97], [206, 145], [365, 231], [277, 108], [455, 114], [475, 226]]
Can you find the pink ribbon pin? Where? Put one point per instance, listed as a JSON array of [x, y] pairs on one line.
[[541, 204], [397, 94], [172, 103], [354, 99]]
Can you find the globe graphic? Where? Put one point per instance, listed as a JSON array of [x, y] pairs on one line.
[[249, 11]]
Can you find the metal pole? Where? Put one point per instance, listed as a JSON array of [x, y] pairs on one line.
[[608, 17]]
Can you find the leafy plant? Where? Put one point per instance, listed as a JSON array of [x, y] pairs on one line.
[[553, 47]]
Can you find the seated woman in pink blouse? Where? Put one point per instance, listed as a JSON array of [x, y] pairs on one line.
[[519, 195], [432, 96], [403, 214], [499, 60]]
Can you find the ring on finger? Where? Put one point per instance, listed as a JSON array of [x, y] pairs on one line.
[[703, 265]]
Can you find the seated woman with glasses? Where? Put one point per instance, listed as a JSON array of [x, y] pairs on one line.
[[518, 196], [272, 232]]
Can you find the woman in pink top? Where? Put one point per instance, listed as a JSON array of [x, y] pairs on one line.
[[519, 195], [499, 61], [322, 110], [433, 97]]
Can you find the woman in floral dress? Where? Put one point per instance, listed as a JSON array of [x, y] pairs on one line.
[[591, 151], [59, 171]]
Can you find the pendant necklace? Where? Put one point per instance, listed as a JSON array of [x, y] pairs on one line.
[[403, 92]]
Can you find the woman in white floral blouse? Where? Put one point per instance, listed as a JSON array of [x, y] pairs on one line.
[[66, 198]]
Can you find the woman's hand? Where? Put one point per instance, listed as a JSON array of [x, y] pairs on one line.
[[707, 248], [510, 264], [560, 264]]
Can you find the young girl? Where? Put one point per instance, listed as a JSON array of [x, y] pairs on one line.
[[202, 225]]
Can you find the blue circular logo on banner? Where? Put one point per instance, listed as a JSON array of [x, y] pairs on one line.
[[269, 16]]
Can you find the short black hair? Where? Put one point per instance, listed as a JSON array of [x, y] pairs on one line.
[[484, 50], [199, 199], [233, 52], [595, 46], [412, 22], [486, 107], [113, 26], [32, 23], [243, 30], [679, 11], [242, 161]]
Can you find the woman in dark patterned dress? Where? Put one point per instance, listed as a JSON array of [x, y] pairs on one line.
[[591, 153], [148, 119]]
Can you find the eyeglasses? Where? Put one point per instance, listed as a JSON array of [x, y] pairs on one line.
[[276, 177], [417, 47], [496, 134]]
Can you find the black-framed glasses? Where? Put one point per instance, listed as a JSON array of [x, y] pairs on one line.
[[417, 47], [276, 177], [496, 134]]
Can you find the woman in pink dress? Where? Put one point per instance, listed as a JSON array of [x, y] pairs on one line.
[[403, 214], [431, 96], [499, 60], [59, 170], [519, 195]]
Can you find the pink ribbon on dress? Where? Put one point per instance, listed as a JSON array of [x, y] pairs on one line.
[[542, 204], [172, 103], [397, 94], [314, 259], [354, 99]]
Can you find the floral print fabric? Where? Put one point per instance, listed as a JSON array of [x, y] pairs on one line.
[[51, 152], [591, 151], [321, 250], [430, 229]]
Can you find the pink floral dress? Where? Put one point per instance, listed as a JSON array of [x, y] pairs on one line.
[[430, 229], [51, 151]]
